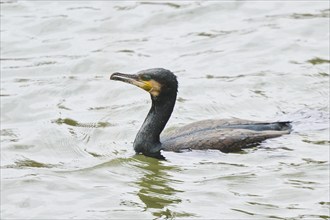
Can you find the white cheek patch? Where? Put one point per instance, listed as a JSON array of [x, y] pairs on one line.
[[155, 88]]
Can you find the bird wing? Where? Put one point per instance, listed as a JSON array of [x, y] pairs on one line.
[[225, 135]]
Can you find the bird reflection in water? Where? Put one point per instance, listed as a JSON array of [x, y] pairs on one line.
[[157, 190]]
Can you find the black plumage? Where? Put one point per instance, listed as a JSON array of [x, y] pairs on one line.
[[229, 135]]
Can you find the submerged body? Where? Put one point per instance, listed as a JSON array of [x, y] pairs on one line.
[[229, 135]]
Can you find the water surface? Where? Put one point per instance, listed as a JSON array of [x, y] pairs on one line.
[[67, 130]]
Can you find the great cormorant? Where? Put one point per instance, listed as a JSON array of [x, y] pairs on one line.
[[229, 135]]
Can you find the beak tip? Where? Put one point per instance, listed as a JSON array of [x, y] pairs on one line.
[[113, 76]]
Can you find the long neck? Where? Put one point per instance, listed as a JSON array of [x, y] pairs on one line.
[[147, 139]]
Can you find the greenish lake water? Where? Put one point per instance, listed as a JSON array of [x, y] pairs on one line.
[[67, 130]]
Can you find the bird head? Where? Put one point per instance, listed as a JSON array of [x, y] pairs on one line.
[[158, 82]]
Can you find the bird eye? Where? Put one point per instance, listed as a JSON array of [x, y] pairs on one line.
[[145, 77]]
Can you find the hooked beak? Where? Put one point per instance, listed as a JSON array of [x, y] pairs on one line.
[[132, 79], [150, 85]]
